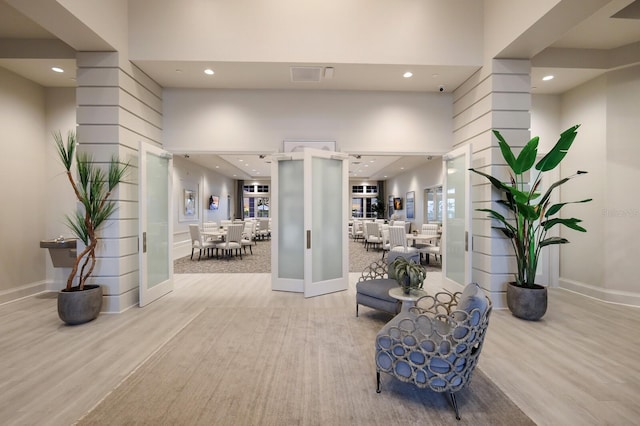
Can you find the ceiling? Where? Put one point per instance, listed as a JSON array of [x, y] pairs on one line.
[[596, 35], [361, 167]]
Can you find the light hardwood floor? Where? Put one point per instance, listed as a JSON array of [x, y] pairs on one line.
[[579, 366]]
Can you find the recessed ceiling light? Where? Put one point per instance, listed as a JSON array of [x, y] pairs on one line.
[[209, 71], [547, 78], [407, 74], [57, 69]]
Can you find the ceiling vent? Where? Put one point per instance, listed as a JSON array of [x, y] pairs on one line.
[[306, 74]]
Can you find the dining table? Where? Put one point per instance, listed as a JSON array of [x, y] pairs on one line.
[[424, 238]]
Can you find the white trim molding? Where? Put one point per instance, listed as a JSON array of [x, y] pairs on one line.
[[606, 295]]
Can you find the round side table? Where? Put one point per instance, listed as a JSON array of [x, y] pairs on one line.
[[408, 300]]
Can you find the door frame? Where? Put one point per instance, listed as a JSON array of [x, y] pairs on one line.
[[466, 152], [148, 295]]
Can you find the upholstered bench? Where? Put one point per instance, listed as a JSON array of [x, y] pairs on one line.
[[373, 287]]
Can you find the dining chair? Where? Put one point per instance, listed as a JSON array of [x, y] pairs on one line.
[[386, 245], [210, 228], [435, 250], [264, 230], [425, 247], [248, 236], [232, 241], [357, 231], [198, 242], [373, 236], [398, 240]]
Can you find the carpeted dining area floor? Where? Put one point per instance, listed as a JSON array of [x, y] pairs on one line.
[[260, 260]]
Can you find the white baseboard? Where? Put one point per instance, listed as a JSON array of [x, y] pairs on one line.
[[115, 304], [181, 249], [606, 295], [26, 290]]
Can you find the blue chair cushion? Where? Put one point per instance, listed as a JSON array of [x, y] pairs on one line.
[[377, 288], [472, 298]]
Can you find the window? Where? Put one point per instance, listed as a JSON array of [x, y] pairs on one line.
[[256, 189], [363, 207], [364, 189], [256, 207], [434, 204]]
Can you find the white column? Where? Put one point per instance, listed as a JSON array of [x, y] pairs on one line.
[[117, 106], [496, 97]]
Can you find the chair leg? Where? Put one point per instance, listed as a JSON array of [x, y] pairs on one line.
[[454, 403], [378, 381], [191, 253], [357, 306]]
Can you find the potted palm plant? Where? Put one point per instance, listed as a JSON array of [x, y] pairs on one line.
[[93, 187], [531, 217], [410, 275]]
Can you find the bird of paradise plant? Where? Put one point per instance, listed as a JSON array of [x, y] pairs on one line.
[[533, 214]]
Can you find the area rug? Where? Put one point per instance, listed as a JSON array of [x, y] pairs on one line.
[[275, 366], [260, 261]]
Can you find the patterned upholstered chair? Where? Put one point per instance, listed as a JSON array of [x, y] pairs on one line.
[[373, 287], [436, 344]]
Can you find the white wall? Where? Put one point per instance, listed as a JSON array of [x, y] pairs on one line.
[[600, 263], [622, 207], [208, 182], [60, 105], [545, 120], [259, 120], [417, 180], [349, 31], [23, 166]]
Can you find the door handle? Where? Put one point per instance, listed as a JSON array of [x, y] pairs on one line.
[[144, 242], [308, 239]]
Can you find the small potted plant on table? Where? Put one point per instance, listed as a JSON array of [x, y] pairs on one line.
[[409, 274]]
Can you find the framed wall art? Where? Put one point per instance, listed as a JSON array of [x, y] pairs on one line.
[[411, 204], [297, 146], [214, 202], [397, 203], [188, 207]]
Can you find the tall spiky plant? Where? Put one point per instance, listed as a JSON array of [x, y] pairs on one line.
[[92, 188], [532, 212]]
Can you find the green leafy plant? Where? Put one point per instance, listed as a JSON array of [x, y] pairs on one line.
[[379, 207], [92, 188], [533, 214], [410, 275]]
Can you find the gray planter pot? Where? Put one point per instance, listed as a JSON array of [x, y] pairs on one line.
[[527, 303], [77, 307]]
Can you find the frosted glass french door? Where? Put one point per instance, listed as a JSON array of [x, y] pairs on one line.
[[155, 223], [310, 223], [456, 262]]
